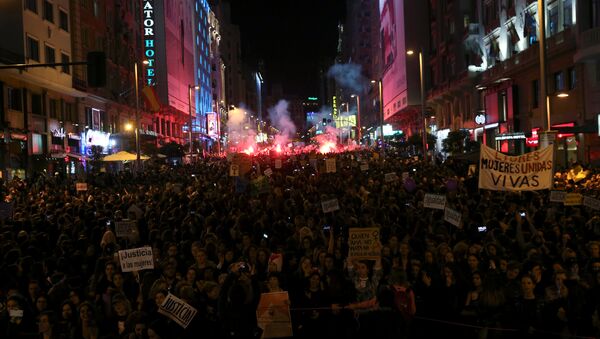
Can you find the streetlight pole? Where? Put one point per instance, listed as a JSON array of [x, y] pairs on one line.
[[190, 128], [137, 119], [380, 87], [423, 117], [359, 132]]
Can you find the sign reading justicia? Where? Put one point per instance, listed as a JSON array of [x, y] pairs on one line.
[[149, 47]]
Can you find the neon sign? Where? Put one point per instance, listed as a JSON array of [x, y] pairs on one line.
[[149, 48]]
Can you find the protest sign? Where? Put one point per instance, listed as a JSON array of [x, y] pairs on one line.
[[557, 196], [592, 203], [81, 186], [363, 243], [273, 315], [472, 170], [268, 172], [177, 310], [364, 166], [573, 199], [452, 216], [277, 163], [435, 201], [330, 205], [527, 172], [126, 229], [234, 170], [405, 176], [389, 177], [330, 165], [136, 259]]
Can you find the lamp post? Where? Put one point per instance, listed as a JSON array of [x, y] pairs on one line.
[[137, 117], [423, 117], [380, 87], [190, 128], [359, 133]]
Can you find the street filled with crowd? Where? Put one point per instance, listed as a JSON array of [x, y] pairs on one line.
[[203, 243]]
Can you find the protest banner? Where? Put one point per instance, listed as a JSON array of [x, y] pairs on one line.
[[557, 196], [273, 315], [592, 203], [277, 163], [363, 243], [330, 165], [268, 172], [330, 205], [126, 229], [234, 170], [364, 166], [435, 201], [452, 216], [177, 310], [136, 259], [81, 186], [527, 172], [389, 177], [573, 199]]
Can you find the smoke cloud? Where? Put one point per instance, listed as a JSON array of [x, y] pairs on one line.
[[348, 76], [280, 118]]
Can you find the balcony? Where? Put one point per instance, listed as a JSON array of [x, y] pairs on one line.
[[588, 44]]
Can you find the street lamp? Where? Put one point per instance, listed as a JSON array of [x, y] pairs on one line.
[[411, 52], [137, 115], [379, 85], [357, 116], [190, 128]]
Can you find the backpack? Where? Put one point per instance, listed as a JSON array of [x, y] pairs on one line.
[[404, 301]]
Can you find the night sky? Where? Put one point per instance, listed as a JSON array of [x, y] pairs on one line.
[[292, 37]]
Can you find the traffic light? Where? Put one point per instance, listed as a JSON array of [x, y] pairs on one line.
[[96, 69]]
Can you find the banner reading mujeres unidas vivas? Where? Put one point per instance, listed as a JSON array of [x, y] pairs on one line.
[[527, 172]]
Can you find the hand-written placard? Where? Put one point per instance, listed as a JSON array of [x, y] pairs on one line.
[[273, 315], [557, 196], [177, 310], [452, 216], [330, 205], [330, 165], [390, 177], [234, 170], [363, 243], [435, 201], [592, 203], [136, 259], [364, 166], [126, 229], [81, 186], [573, 199]]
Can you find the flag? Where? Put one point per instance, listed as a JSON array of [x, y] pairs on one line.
[[151, 98]]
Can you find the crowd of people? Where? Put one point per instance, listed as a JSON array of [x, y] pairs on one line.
[[517, 265]]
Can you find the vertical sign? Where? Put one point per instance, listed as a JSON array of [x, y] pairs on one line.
[[149, 47]]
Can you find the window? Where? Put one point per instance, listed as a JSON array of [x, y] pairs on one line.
[[567, 13], [595, 13], [559, 81], [33, 49], [52, 108], [535, 95], [14, 99], [63, 20], [36, 104], [48, 11], [96, 9], [64, 58], [31, 5], [553, 21], [572, 78], [50, 55], [70, 112]]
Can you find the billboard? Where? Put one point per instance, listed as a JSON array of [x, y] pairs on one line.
[[394, 56], [212, 125]]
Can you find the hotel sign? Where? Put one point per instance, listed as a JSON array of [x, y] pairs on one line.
[[149, 39]]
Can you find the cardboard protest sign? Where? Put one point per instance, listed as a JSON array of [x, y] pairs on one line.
[[126, 229], [273, 315], [452, 216], [268, 172], [136, 259], [389, 177], [363, 243], [81, 186], [234, 170], [364, 166], [557, 196], [527, 172], [330, 205], [277, 163], [177, 310], [573, 199], [592, 203], [330, 165], [435, 201]]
